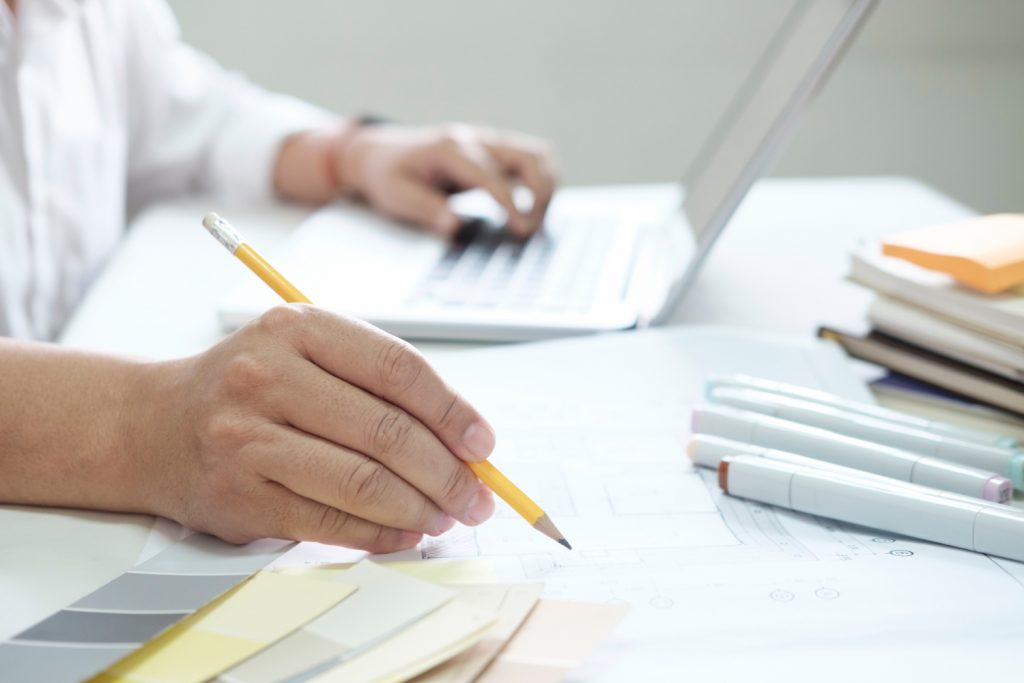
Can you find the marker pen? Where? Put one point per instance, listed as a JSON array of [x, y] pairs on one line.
[[903, 509], [771, 432], [1007, 462], [807, 394], [706, 450]]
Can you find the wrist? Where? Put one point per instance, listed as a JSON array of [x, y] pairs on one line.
[[151, 447], [342, 163]]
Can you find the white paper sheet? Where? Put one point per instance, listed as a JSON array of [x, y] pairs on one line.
[[720, 588]]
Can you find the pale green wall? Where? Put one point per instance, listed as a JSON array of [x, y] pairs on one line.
[[626, 90]]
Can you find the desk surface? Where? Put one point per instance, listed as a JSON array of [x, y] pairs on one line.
[[778, 267]]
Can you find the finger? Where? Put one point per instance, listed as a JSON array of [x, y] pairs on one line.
[[386, 367], [535, 170], [409, 198], [289, 515], [396, 443], [341, 478], [469, 165]]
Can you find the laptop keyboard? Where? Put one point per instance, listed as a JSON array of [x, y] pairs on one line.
[[486, 268]]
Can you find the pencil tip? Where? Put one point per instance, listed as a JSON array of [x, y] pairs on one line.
[[548, 528]]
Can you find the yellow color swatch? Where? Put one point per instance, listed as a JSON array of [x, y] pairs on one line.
[[447, 571], [228, 630], [985, 253]]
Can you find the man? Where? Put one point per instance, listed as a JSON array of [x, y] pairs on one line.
[[302, 425]]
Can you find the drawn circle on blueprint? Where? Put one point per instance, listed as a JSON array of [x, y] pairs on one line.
[[662, 602], [782, 596], [827, 593], [901, 553]]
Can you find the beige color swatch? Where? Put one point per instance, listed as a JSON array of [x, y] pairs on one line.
[[557, 637], [513, 603]]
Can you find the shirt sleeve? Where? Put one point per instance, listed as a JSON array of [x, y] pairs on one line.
[[194, 126]]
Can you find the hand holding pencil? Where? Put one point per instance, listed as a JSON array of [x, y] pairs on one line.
[[418, 429]]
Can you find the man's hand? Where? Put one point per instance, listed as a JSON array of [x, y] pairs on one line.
[[310, 426], [409, 173]]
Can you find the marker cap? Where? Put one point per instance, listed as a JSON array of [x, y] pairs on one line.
[[722, 420], [707, 450], [1016, 470], [770, 486]]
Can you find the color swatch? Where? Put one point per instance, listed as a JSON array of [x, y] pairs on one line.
[[232, 628], [118, 617], [386, 602]]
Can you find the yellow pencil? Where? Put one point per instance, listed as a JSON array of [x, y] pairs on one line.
[[485, 471]]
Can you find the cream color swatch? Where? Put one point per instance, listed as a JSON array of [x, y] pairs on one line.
[[229, 629], [442, 634], [386, 602]]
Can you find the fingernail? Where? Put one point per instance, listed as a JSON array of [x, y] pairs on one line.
[[478, 440], [481, 507], [444, 523]]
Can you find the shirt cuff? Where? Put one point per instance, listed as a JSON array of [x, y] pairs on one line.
[[242, 160]]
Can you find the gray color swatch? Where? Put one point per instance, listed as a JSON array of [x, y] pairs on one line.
[[54, 663], [133, 592], [99, 627]]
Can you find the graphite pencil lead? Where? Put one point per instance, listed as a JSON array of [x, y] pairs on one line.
[[548, 528]]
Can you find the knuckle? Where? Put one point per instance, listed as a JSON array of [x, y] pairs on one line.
[[285, 319], [331, 522], [389, 433], [247, 371], [367, 485], [399, 366], [223, 431], [459, 484], [452, 416]]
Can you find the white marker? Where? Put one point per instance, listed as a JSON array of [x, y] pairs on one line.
[[771, 432], [1005, 461], [904, 509], [708, 451], [935, 426]]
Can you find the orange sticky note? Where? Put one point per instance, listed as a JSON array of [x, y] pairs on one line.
[[984, 253]]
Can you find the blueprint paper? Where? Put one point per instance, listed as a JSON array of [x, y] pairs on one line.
[[720, 588]]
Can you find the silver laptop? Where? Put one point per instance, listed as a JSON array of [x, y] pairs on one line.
[[604, 261]]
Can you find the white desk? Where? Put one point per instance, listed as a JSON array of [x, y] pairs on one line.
[[779, 267]]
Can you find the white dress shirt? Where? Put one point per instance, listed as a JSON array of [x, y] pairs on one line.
[[102, 110]]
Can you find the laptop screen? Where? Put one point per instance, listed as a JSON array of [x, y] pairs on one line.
[[765, 114]]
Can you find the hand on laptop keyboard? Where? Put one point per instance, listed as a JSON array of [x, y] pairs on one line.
[[409, 173]]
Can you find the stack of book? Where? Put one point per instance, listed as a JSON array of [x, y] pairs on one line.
[[928, 326]]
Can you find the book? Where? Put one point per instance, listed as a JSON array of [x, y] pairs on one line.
[[949, 374], [1000, 316], [917, 326]]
